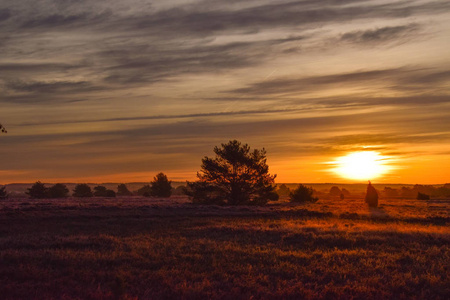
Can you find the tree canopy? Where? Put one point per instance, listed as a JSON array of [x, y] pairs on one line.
[[161, 186], [303, 194], [122, 190], [38, 191], [82, 190], [58, 190], [236, 175]]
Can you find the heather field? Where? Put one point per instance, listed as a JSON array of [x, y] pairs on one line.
[[142, 248]]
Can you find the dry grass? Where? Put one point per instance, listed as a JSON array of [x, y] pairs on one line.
[[139, 248]]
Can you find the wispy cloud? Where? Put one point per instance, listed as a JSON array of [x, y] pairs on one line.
[[120, 81]]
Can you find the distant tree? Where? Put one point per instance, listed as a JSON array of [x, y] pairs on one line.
[[421, 196], [3, 129], [303, 194], [38, 191], [58, 190], [390, 192], [3, 193], [371, 196], [100, 191], [161, 186], [283, 190], [145, 191], [335, 191], [82, 190], [235, 176], [122, 190], [110, 194]]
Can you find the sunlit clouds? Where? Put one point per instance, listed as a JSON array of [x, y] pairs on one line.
[[92, 90]]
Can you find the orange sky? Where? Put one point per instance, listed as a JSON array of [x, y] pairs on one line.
[[121, 90]]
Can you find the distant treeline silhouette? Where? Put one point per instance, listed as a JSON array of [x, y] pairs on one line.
[[236, 175], [159, 187]]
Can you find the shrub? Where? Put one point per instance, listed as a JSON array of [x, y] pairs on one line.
[[37, 191], [335, 191], [161, 186], [110, 194], [303, 194], [3, 193], [421, 196], [283, 190], [122, 190], [58, 190], [82, 190], [100, 191], [235, 176], [145, 191]]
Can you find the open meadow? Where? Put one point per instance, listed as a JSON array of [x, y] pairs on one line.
[[154, 248]]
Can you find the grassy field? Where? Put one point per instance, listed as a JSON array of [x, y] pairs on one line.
[[138, 248]]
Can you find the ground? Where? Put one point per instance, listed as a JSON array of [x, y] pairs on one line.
[[142, 248]]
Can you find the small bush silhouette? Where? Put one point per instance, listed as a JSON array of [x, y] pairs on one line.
[[58, 190], [303, 194], [283, 190], [335, 191], [3, 129], [161, 186], [110, 194], [3, 193], [100, 191], [82, 190], [38, 191], [421, 196], [122, 190], [145, 191]]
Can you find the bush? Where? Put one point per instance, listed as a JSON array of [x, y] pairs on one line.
[[236, 176], [58, 190], [161, 186], [110, 194], [122, 190], [335, 191], [303, 194], [3, 193], [100, 191], [421, 196], [145, 191], [37, 191], [283, 190], [82, 190]]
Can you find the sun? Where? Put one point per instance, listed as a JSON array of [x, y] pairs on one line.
[[362, 165]]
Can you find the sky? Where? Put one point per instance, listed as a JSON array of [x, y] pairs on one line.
[[117, 91]]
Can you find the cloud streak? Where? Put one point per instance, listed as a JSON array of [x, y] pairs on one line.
[[120, 81]]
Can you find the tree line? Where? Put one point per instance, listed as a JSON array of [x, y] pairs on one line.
[[236, 175], [159, 187]]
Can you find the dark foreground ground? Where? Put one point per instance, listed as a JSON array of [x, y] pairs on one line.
[[137, 248]]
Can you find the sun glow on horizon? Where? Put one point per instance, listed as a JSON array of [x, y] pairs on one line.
[[362, 165]]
